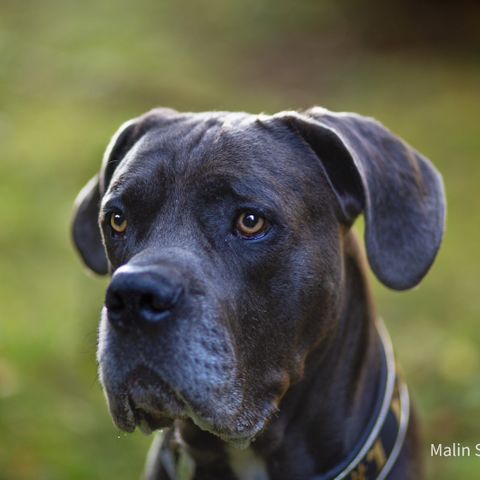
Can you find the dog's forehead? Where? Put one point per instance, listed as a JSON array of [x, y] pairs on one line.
[[257, 153], [197, 141]]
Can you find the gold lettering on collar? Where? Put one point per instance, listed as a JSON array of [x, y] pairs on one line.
[[360, 473], [377, 454]]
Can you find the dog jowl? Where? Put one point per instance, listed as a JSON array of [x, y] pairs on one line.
[[238, 308]]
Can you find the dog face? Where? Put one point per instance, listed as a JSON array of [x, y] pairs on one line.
[[223, 234]]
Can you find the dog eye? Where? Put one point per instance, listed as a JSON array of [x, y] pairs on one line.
[[250, 224], [118, 222]]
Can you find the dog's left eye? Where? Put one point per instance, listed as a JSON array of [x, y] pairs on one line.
[[250, 225]]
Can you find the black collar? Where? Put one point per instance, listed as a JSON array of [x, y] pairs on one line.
[[378, 449]]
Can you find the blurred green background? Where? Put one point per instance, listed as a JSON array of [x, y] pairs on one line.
[[71, 72]]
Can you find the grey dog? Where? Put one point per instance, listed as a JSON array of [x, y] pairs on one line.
[[239, 317]]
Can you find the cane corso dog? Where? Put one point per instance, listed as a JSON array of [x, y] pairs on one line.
[[238, 318]]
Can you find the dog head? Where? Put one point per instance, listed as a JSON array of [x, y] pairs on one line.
[[223, 235]]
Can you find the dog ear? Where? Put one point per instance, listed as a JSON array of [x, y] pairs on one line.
[[85, 229], [399, 191]]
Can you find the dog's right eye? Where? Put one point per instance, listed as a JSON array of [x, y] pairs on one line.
[[118, 222]]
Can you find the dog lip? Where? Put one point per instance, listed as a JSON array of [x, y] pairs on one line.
[[127, 416], [122, 413], [149, 421], [149, 402]]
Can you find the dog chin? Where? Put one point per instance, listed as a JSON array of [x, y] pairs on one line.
[[144, 400], [234, 436], [238, 428]]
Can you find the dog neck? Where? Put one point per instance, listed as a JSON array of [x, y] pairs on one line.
[[321, 417]]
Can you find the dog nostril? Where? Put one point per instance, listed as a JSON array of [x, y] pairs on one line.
[[157, 305], [116, 307], [116, 303], [151, 302]]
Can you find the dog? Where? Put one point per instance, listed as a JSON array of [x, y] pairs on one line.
[[238, 317]]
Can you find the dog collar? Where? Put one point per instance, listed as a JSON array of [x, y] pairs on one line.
[[377, 451]]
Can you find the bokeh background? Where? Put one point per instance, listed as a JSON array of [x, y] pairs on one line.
[[72, 71]]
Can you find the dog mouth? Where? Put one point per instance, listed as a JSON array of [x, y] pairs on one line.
[[148, 421], [145, 401], [148, 402]]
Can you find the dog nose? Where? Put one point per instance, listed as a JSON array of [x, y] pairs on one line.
[[141, 297]]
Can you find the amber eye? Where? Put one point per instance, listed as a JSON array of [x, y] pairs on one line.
[[250, 224], [118, 222]]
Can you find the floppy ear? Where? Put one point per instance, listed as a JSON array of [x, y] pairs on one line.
[[85, 229], [373, 171]]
